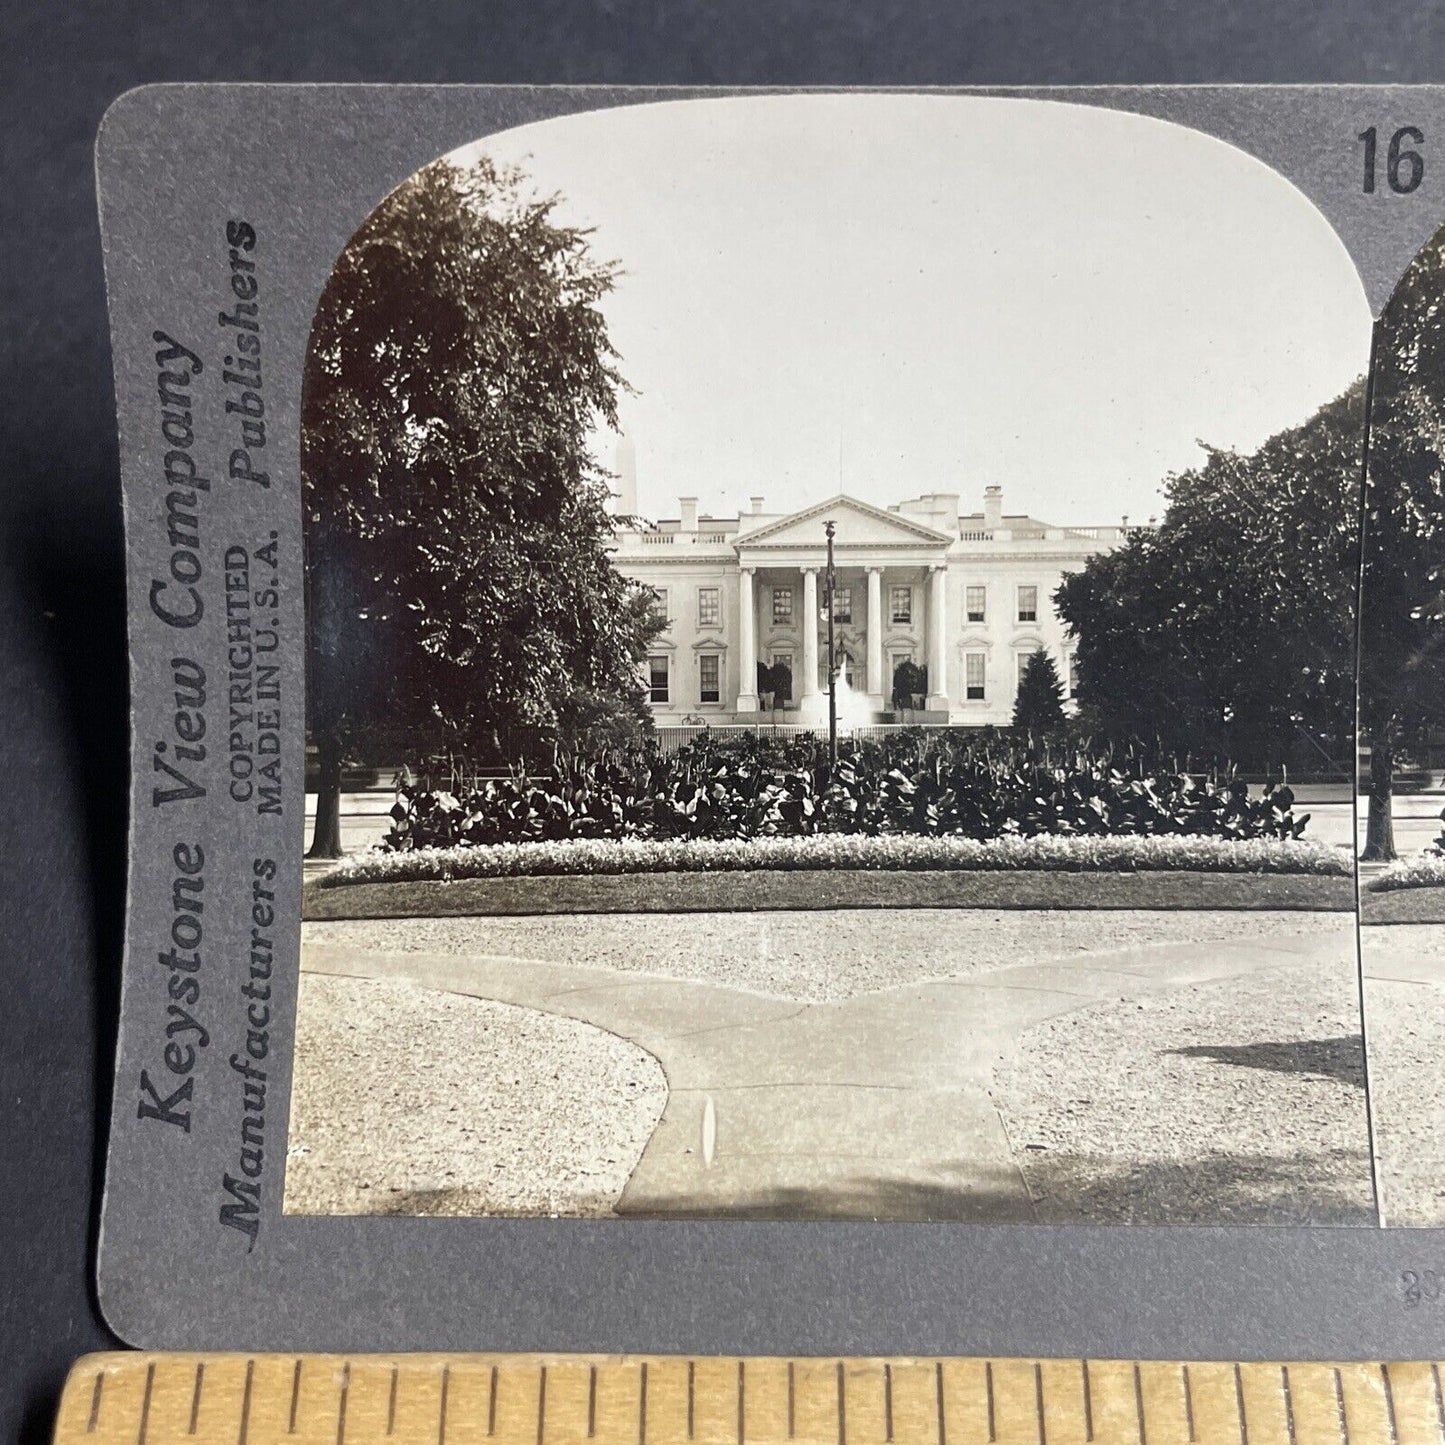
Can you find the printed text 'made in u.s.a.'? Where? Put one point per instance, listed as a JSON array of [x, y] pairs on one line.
[[253, 677]]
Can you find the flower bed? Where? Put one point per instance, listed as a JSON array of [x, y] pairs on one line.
[[915, 783], [572, 857], [1427, 870]]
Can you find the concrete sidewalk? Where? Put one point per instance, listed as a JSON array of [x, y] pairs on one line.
[[1404, 974], [877, 1105]]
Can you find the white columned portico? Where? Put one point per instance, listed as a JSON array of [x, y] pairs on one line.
[[747, 643], [938, 640], [875, 636], [810, 701]]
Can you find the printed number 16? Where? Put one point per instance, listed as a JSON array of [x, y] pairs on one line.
[[1404, 169]]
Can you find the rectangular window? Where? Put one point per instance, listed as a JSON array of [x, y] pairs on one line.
[[974, 603], [1028, 604], [900, 604], [709, 687], [973, 676], [1073, 676], [783, 675], [782, 604], [842, 604], [657, 678], [709, 607], [1021, 661], [660, 605]]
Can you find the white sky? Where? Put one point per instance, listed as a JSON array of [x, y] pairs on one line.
[[946, 292]]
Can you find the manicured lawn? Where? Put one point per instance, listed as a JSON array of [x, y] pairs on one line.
[[759, 889], [1403, 905]]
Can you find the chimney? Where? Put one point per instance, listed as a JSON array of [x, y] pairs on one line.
[[689, 514], [757, 504], [626, 469], [992, 508]]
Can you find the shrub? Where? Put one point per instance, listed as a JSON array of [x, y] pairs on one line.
[[909, 681], [839, 851], [914, 782]]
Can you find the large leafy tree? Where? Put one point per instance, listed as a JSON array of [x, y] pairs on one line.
[[459, 587], [1402, 610], [1229, 631]]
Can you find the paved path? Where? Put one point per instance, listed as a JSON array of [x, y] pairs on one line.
[[872, 1106], [1404, 968]]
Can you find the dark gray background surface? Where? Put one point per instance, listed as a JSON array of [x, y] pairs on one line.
[[62, 657]]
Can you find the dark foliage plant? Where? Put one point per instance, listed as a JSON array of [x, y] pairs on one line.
[[909, 681], [1039, 706], [915, 781]]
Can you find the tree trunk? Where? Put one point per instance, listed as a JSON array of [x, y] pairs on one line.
[[326, 839], [1379, 822]]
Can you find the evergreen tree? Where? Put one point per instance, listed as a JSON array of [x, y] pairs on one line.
[[1039, 706]]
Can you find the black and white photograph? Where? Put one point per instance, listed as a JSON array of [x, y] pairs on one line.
[[1402, 746], [831, 629]]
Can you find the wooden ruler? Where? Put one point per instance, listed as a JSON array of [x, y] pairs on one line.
[[176, 1399]]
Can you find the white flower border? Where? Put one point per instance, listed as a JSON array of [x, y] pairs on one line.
[[1426, 870], [833, 851]]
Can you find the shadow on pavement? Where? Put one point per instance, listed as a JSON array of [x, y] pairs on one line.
[[1330, 1187], [1341, 1059]]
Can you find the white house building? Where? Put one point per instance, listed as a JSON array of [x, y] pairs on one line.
[[967, 597]]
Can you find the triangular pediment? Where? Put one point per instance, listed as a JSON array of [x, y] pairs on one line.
[[858, 525]]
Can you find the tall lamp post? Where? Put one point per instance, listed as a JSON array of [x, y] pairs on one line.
[[828, 528]]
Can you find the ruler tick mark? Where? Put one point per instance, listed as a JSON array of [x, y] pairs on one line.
[[642, 1408], [1340, 1414], [1439, 1402], [1139, 1402], [91, 1423], [295, 1397], [938, 1401], [442, 1408], [1189, 1404], [1039, 1398], [492, 1401], [1390, 1404], [1088, 1405], [341, 1403], [390, 1401], [842, 1407], [1239, 1405], [196, 1397], [742, 1400], [1288, 1404], [246, 1403], [888, 1403], [145, 1405], [792, 1417], [691, 1372], [988, 1390], [592, 1402], [541, 1403]]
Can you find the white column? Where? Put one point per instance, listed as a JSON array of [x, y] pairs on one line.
[[747, 643], [938, 640], [875, 636], [810, 700]]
